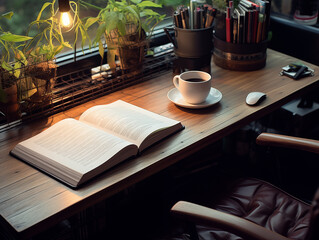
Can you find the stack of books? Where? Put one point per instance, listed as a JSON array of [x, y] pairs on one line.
[[247, 22]]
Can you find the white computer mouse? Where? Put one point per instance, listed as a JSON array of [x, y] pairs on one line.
[[255, 98]]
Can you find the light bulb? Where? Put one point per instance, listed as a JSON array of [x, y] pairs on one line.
[[66, 19]]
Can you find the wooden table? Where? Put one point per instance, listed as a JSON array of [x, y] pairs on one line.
[[31, 201]]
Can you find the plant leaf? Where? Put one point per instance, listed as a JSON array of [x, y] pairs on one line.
[[148, 4], [148, 12], [21, 57], [45, 5], [5, 45], [6, 66], [17, 69], [9, 37], [99, 32], [7, 15], [112, 20], [59, 48], [133, 11], [84, 37], [101, 49], [146, 27], [67, 44], [90, 21], [121, 27]]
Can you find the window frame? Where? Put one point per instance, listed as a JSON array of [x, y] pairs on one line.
[[89, 58]]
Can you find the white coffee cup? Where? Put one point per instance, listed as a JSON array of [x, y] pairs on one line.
[[193, 85]]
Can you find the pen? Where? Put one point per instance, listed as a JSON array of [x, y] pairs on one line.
[[211, 12], [192, 15], [205, 9], [201, 18], [178, 20], [196, 19], [185, 18]]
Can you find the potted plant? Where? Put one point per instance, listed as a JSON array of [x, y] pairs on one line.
[[126, 27], [41, 52], [12, 58]]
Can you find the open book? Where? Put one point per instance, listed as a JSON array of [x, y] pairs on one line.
[[74, 151]]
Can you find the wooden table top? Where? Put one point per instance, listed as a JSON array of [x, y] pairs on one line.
[[31, 201]]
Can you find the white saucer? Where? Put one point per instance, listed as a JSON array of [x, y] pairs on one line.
[[175, 96]]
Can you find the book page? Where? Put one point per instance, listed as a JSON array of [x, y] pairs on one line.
[[74, 145], [126, 121]]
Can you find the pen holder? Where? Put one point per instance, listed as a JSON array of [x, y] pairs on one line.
[[238, 56], [191, 43]]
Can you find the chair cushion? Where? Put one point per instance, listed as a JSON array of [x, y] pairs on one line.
[[264, 204]]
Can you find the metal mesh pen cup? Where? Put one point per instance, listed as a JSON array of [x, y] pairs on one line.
[[191, 43]]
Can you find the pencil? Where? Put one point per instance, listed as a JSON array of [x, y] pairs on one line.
[[178, 20], [185, 18], [210, 17]]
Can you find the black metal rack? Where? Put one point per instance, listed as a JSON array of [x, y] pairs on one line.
[[78, 87]]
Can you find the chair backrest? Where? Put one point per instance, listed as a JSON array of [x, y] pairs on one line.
[[313, 231]]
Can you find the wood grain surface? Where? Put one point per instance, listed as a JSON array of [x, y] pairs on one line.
[[31, 201]]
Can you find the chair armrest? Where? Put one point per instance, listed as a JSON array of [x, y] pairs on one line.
[[277, 140], [210, 217]]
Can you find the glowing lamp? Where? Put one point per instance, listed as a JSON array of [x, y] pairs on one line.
[[64, 8]]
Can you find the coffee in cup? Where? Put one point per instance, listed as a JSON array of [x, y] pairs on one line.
[[193, 85]]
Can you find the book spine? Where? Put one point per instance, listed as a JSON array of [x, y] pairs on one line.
[[228, 28], [235, 28], [249, 26], [255, 24]]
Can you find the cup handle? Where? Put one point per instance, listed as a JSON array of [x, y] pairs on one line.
[[176, 81]]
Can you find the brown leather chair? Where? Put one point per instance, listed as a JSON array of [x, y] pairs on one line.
[[254, 209]]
